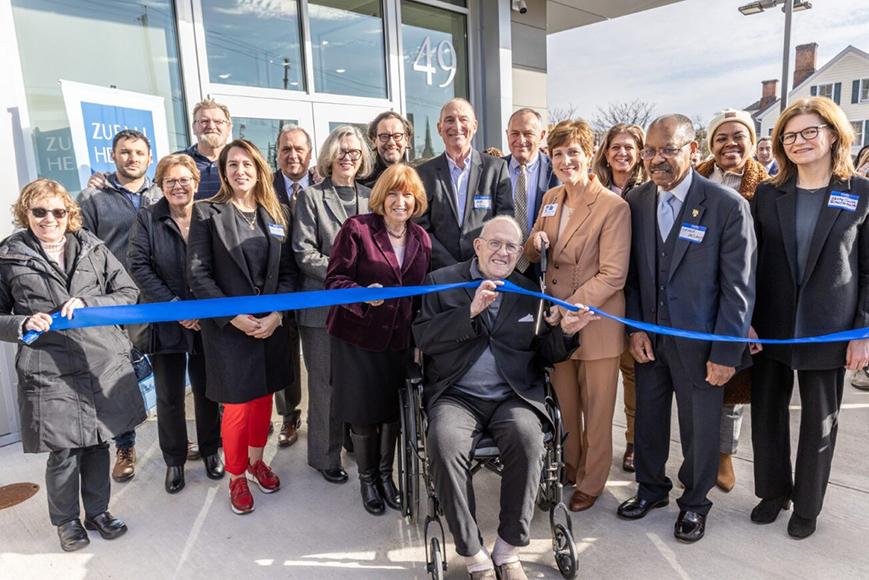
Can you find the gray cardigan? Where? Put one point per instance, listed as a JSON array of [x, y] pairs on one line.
[[317, 217]]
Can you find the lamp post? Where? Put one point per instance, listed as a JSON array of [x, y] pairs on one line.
[[790, 6]]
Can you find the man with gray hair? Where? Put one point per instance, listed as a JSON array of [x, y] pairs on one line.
[[693, 255], [483, 372]]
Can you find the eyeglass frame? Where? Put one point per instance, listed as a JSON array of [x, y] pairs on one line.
[[169, 183], [217, 122], [397, 137], [791, 136], [673, 151], [500, 244], [352, 154], [64, 213]]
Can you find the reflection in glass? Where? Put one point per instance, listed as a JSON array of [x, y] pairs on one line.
[[348, 48], [253, 43], [261, 132], [126, 44], [435, 69]]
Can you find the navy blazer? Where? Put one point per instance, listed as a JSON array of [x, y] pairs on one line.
[[546, 180], [363, 255], [833, 294], [710, 287]]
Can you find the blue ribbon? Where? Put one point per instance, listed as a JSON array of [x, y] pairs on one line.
[[218, 307]]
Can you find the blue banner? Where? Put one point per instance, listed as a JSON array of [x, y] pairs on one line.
[[103, 122], [223, 307]]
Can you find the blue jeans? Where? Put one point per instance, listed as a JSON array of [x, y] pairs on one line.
[[125, 440]]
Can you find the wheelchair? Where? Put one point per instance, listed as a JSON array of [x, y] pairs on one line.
[[415, 479]]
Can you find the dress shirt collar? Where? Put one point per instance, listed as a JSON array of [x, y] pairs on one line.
[[530, 167], [304, 182], [454, 167], [680, 192]]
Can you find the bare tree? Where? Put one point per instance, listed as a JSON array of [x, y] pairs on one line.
[[557, 114], [634, 112], [700, 135]]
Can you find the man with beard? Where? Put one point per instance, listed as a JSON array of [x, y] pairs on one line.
[[212, 126], [294, 159], [465, 188], [109, 212], [391, 135], [693, 256]]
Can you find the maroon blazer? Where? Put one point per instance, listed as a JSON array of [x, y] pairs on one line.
[[362, 255]]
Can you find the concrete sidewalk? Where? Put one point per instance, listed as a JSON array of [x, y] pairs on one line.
[[313, 529]]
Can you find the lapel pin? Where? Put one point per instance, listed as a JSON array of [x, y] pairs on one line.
[[695, 212]]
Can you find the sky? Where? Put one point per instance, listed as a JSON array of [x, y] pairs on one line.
[[694, 57]]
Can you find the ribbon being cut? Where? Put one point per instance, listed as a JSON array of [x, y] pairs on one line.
[[219, 307]]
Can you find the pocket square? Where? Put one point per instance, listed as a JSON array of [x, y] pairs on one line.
[[526, 318]]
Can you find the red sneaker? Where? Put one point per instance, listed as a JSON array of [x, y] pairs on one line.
[[240, 497], [263, 476]]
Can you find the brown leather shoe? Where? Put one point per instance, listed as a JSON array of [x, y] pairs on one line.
[[125, 465], [628, 459], [581, 501], [726, 477], [193, 451], [289, 434]]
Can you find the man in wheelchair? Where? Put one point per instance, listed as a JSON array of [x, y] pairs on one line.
[[484, 372]]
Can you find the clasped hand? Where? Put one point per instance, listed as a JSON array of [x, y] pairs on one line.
[[257, 327]]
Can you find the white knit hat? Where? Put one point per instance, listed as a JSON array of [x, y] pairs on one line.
[[726, 116]]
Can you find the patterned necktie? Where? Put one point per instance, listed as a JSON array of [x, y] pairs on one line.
[[296, 189], [666, 214], [520, 200]]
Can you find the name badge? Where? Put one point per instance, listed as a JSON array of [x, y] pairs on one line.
[[842, 200], [482, 202], [692, 233], [549, 210], [276, 230]]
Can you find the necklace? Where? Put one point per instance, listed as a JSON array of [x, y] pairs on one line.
[[251, 222], [397, 236]]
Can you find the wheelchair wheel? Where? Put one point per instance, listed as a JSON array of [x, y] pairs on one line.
[[436, 565], [409, 460], [565, 551]]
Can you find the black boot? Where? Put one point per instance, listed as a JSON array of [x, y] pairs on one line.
[[367, 449], [388, 438]]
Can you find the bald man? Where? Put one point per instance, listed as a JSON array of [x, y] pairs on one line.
[[464, 187]]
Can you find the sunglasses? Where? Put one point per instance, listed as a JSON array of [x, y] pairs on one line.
[[41, 212]]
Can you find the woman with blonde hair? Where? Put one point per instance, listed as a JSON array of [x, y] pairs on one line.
[[239, 245], [812, 224], [76, 388]]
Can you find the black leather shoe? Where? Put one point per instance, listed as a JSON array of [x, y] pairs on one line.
[[766, 512], [107, 525], [636, 508], [801, 528], [690, 527], [72, 536], [334, 475], [213, 466], [174, 478], [390, 494]]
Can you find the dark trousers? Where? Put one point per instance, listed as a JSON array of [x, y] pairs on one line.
[[456, 423], [70, 471], [169, 379], [820, 399], [325, 429], [287, 400], [699, 413]]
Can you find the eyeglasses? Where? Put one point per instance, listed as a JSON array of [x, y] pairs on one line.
[[182, 181], [352, 154], [650, 152], [496, 245], [41, 212], [807, 134], [216, 122], [385, 137]]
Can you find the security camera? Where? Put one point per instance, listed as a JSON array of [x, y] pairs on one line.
[[520, 6]]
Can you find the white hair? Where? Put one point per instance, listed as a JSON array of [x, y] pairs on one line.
[[503, 218]]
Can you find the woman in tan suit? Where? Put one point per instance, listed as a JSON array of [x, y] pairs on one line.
[[586, 230]]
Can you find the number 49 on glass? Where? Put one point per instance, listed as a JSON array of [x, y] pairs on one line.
[[423, 60]]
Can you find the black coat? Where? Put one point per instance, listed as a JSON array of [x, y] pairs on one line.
[[834, 292], [452, 341], [76, 388], [157, 261], [488, 181], [239, 368]]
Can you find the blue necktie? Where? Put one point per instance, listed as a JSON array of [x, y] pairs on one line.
[[666, 214]]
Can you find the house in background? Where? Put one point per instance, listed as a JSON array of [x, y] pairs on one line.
[[844, 79]]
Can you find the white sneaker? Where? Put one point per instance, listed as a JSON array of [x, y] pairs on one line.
[[860, 380]]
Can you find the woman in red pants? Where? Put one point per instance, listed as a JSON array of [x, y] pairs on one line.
[[239, 244]]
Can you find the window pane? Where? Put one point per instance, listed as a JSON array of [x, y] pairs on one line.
[[435, 69], [348, 48], [826, 91], [254, 44], [127, 44], [864, 91], [263, 133]]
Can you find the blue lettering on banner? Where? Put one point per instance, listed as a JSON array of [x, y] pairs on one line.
[[103, 122], [842, 200]]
